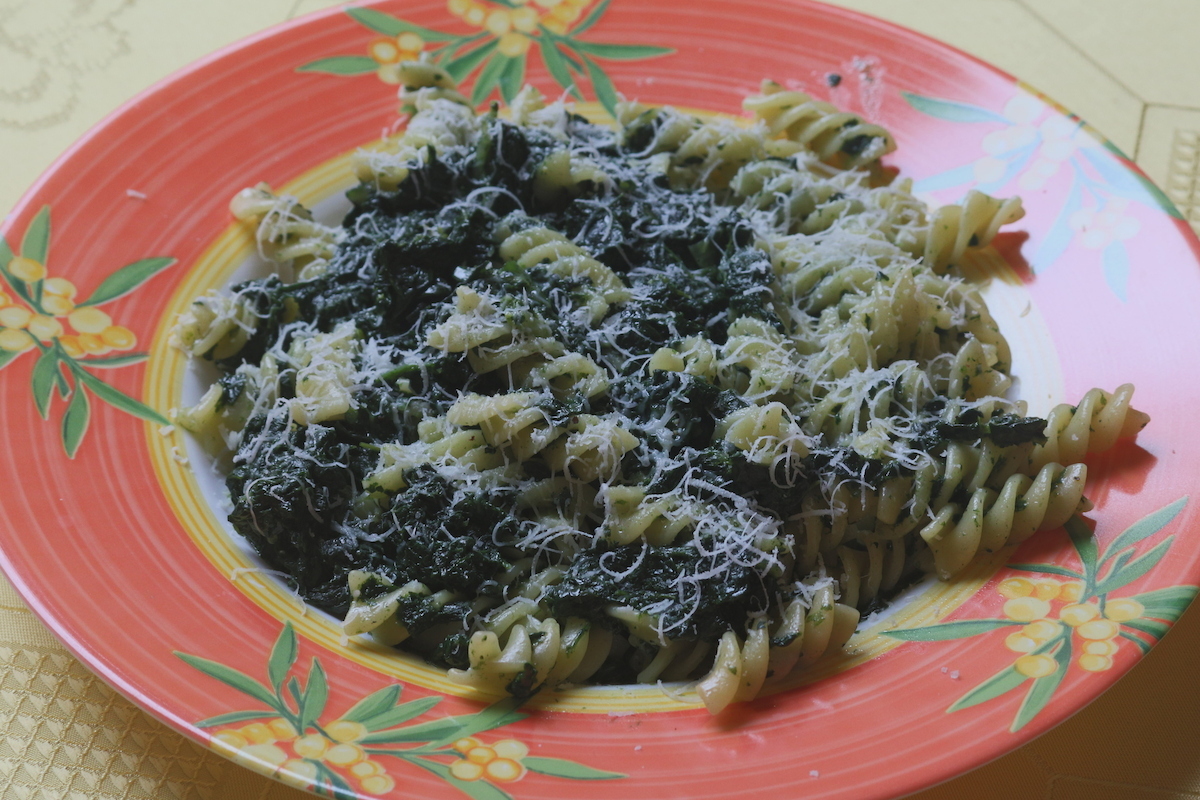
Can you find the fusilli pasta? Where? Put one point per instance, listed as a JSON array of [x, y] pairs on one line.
[[679, 402]]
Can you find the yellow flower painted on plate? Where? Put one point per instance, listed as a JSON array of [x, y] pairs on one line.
[[500, 38], [1073, 626], [1026, 609], [45, 314], [360, 749]]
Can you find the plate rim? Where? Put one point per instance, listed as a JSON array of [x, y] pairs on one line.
[[80, 649]]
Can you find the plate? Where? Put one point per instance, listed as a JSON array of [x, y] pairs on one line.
[[114, 536]]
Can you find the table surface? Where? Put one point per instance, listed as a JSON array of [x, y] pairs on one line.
[[1130, 69]]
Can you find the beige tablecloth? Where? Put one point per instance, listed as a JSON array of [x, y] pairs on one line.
[[1132, 69]]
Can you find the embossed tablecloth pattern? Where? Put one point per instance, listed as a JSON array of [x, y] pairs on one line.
[[1132, 70]]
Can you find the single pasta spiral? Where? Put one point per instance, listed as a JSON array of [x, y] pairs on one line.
[[556, 254], [839, 138], [630, 515], [991, 519], [1092, 426], [973, 223], [806, 631], [511, 421]]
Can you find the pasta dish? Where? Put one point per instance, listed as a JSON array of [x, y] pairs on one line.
[[679, 400]]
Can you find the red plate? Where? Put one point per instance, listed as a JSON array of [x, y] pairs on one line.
[[113, 540]]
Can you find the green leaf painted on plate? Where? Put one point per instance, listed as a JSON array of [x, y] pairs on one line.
[[1114, 261], [552, 57], [333, 784], [513, 78], [1084, 543], [1060, 234], [297, 693], [1119, 561], [497, 715], [401, 713], [591, 19], [1167, 603], [1046, 569], [947, 631], [35, 244], [489, 77], [43, 380], [1161, 612], [231, 677], [126, 279], [462, 65], [116, 398], [234, 717], [574, 63], [316, 694], [1002, 682], [620, 52], [1150, 627], [7, 357], [946, 180], [283, 656], [951, 110], [1142, 644], [18, 287], [1136, 568], [561, 768], [374, 704], [341, 65], [1042, 689], [393, 26], [1145, 527], [75, 421], [447, 729], [112, 362], [602, 85]]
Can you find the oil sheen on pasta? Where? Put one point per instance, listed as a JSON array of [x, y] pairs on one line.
[[559, 403]]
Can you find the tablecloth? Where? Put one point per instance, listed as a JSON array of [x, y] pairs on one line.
[[1132, 69]]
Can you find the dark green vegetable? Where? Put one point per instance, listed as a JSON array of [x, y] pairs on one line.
[[647, 579], [301, 494]]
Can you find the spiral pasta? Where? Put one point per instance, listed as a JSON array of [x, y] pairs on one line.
[[990, 520], [805, 633], [444, 122], [767, 434], [592, 448], [756, 360], [630, 515], [1092, 426], [557, 255], [838, 138], [285, 230], [672, 403], [215, 326], [511, 421], [973, 223]]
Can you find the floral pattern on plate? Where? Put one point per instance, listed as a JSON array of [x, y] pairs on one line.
[[1076, 620], [294, 740], [507, 30], [194, 140], [32, 319], [1036, 141]]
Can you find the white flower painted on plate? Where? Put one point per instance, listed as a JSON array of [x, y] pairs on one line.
[[1099, 227], [1033, 124], [1024, 109], [1061, 138]]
